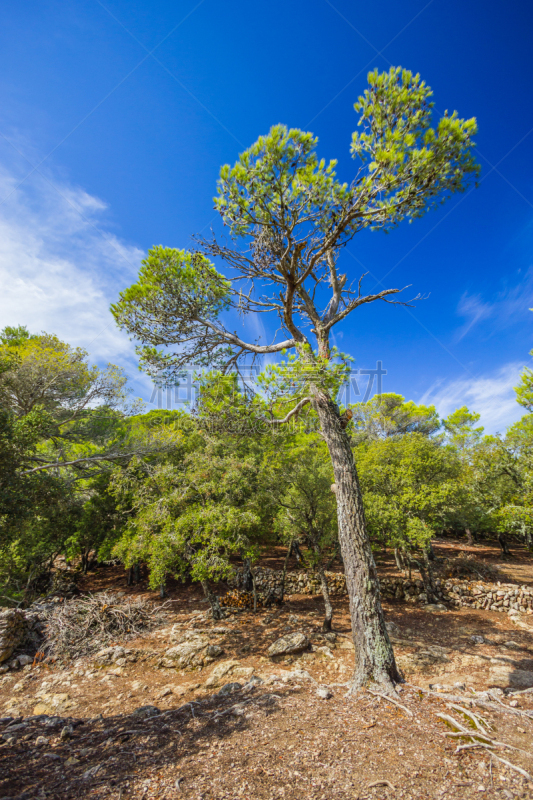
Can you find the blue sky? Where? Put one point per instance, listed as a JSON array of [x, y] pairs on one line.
[[116, 117]]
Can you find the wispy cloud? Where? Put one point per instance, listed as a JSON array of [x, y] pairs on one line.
[[60, 266], [507, 307], [474, 309], [491, 395]]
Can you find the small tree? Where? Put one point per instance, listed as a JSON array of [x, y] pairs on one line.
[[289, 218]]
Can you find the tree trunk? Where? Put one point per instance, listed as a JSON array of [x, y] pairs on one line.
[[398, 560], [326, 625], [247, 579], [469, 537], [254, 590], [284, 573], [374, 657], [213, 600], [136, 572], [503, 544]]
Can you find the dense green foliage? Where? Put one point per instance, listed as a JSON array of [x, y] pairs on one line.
[[191, 495]]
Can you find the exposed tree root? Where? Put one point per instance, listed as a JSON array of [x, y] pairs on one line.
[[390, 700]]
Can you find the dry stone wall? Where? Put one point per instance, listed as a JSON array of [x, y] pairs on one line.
[[504, 598]]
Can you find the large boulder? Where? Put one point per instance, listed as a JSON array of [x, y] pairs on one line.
[[12, 631], [194, 651], [291, 643]]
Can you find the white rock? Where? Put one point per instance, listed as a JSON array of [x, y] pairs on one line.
[[324, 692]]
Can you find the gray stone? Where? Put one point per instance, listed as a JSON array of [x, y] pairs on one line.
[[324, 692], [254, 681], [66, 733], [109, 655], [194, 651], [229, 688], [434, 607], [291, 643], [477, 639], [145, 712]]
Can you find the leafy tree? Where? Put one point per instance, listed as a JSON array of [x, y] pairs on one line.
[[460, 430], [289, 218], [410, 487], [391, 415]]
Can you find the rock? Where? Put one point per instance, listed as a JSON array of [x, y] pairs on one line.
[[91, 773], [72, 761], [295, 675], [145, 712], [291, 643], [505, 675], [53, 703], [66, 733], [324, 692], [435, 607], [13, 629], [228, 688], [346, 644], [109, 655], [164, 692], [325, 651], [24, 660], [477, 639], [392, 628], [254, 681], [41, 740], [227, 668], [194, 651]]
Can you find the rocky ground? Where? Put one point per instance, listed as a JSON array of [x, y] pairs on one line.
[[203, 709]]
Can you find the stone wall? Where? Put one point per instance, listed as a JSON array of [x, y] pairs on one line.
[[505, 598], [13, 629]]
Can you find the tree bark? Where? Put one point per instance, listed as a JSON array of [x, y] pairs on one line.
[[503, 544], [469, 537], [247, 579], [374, 657], [284, 573], [213, 600], [398, 560], [326, 625]]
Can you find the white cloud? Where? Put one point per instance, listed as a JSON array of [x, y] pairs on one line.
[[491, 395], [59, 266]]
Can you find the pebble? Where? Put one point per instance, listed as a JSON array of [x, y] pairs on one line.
[[324, 692]]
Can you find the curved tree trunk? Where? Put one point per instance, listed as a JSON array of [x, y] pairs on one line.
[[469, 538], [374, 657]]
